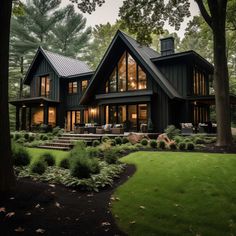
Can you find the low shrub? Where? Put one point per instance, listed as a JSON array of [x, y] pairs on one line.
[[65, 163], [26, 136], [110, 156], [112, 142], [21, 156], [172, 146], [162, 145], [118, 140], [31, 138], [38, 167], [17, 136], [57, 131], [95, 143], [79, 149], [182, 146], [84, 167], [153, 143], [190, 146], [125, 140], [144, 142], [48, 158], [21, 140], [138, 145], [178, 139], [199, 141], [93, 151], [105, 139], [187, 140]]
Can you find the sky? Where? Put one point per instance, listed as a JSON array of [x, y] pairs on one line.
[[109, 13]]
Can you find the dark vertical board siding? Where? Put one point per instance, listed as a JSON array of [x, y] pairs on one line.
[[45, 69]]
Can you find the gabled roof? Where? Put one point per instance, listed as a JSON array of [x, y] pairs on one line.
[[144, 55], [62, 65]]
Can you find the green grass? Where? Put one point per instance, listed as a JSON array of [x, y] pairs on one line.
[[174, 193], [37, 152]]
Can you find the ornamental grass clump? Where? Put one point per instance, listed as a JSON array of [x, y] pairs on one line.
[[21, 156], [153, 144], [38, 167], [48, 158]]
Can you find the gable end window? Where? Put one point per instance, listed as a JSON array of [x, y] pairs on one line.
[[44, 86], [84, 85], [72, 87], [126, 76]]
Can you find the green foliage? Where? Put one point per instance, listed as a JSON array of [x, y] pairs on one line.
[[110, 156], [38, 167], [112, 142], [95, 143], [17, 136], [182, 146], [190, 146], [178, 139], [153, 143], [162, 145], [57, 131], [65, 163], [144, 142], [171, 131], [118, 140], [20, 155], [150, 125], [105, 138], [173, 146], [48, 158], [125, 140], [83, 167], [26, 136], [199, 141], [93, 151]]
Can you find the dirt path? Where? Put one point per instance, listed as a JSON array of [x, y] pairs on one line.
[[40, 209]]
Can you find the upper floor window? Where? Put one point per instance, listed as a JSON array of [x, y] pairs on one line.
[[72, 87], [126, 76], [84, 85], [199, 82], [44, 86]]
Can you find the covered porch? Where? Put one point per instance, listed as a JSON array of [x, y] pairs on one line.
[[33, 112]]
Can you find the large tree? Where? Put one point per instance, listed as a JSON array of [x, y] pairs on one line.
[[6, 169]]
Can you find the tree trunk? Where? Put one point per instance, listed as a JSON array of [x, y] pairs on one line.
[[7, 179], [224, 136]]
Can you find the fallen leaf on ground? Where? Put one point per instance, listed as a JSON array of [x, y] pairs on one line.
[[10, 214], [19, 229], [40, 231], [106, 223], [142, 207], [2, 209], [132, 222]]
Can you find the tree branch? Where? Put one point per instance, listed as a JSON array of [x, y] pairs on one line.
[[204, 12]]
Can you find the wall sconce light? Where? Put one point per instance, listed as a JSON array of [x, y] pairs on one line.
[[24, 106], [134, 116], [93, 111], [195, 103], [41, 105]]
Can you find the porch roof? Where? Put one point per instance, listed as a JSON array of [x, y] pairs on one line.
[[33, 101], [210, 99]]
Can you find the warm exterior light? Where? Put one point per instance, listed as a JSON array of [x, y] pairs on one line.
[[24, 106], [92, 110], [134, 116], [195, 103], [41, 105]]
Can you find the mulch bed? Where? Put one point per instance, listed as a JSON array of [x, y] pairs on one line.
[[35, 208]]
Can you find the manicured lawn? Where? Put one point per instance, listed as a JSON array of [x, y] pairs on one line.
[[178, 194], [36, 152]]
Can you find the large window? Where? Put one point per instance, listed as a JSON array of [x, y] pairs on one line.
[[126, 76], [37, 115], [199, 82], [44, 86], [130, 115], [72, 87], [52, 116], [201, 114], [84, 85], [73, 117]]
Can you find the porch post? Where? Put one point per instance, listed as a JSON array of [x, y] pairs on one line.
[[29, 118], [23, 118], [17, 118], [46, 114]]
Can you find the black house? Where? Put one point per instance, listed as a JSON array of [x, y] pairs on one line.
[[132, 84]]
